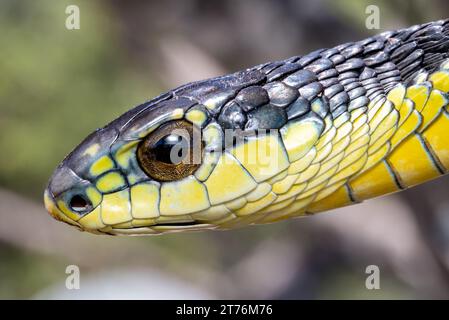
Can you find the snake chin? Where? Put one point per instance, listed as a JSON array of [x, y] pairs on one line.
[[54, 211]]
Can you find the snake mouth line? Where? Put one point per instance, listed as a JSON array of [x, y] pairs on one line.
[[177, 224], [160, 228]]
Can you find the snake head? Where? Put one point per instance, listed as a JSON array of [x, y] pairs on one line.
[[112, 181], [187, 160]]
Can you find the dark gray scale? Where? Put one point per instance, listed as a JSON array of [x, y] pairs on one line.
[[319, 65], [389, 74], [232, 116], [431, 61], [359, 102], [259, 67], [394, 35], [408, 72], [299, 107], [329, 53], [329, 73], [338, 59], [309, 58], [348, 75], [343, 46], [252, 97], [427, 29], [311, 91], [391, 45], [435, 46], [271, 66], [414, 56], [216, 92], [368, 74], [293, 59], [366, 42], [282, 71], [352, 51], [300, 78], [392, 78], [371, 92], [403, 51], [348, 81], [370, 84], [386, 67], [266, 117], [339, 111], [329, 82], [429, 43], [352, 91], [372, 47], [349, 65], [357, 92], [386, 35], [376, 59], [352, 85], [280, 94], [338, 100], [405, 34], [333, 90], [373, 95], [441, 45]]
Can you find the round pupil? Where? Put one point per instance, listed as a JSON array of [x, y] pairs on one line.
[[164, 152], [79, 204]]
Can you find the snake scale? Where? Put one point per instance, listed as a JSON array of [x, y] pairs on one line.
[[279, 140]]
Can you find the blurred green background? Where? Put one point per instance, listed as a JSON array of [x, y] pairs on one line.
[[58, 85]]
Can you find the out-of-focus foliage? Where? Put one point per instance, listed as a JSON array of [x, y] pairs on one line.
[[56, 86]]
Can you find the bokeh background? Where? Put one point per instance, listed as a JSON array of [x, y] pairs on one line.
[[57, 85]]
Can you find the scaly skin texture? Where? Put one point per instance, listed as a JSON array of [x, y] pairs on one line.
[[349, 123]]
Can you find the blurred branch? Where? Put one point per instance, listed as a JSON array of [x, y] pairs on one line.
[[378, 231], [420, 202]]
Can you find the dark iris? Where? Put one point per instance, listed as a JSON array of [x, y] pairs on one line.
[[170, 149], [80, 204], [163, 153]]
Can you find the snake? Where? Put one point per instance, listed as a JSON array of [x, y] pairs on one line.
[[280, 140]]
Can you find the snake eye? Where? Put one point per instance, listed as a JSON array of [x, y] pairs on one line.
[[172, 152], [170, 149], [80, 204]]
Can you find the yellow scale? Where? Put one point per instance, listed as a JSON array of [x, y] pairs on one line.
[[395, 142], [420, 144], [407, 144]]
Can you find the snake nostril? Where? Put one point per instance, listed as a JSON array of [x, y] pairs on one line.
[[80, 204]]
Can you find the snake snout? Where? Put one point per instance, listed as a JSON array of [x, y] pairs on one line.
[[55, 212]]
